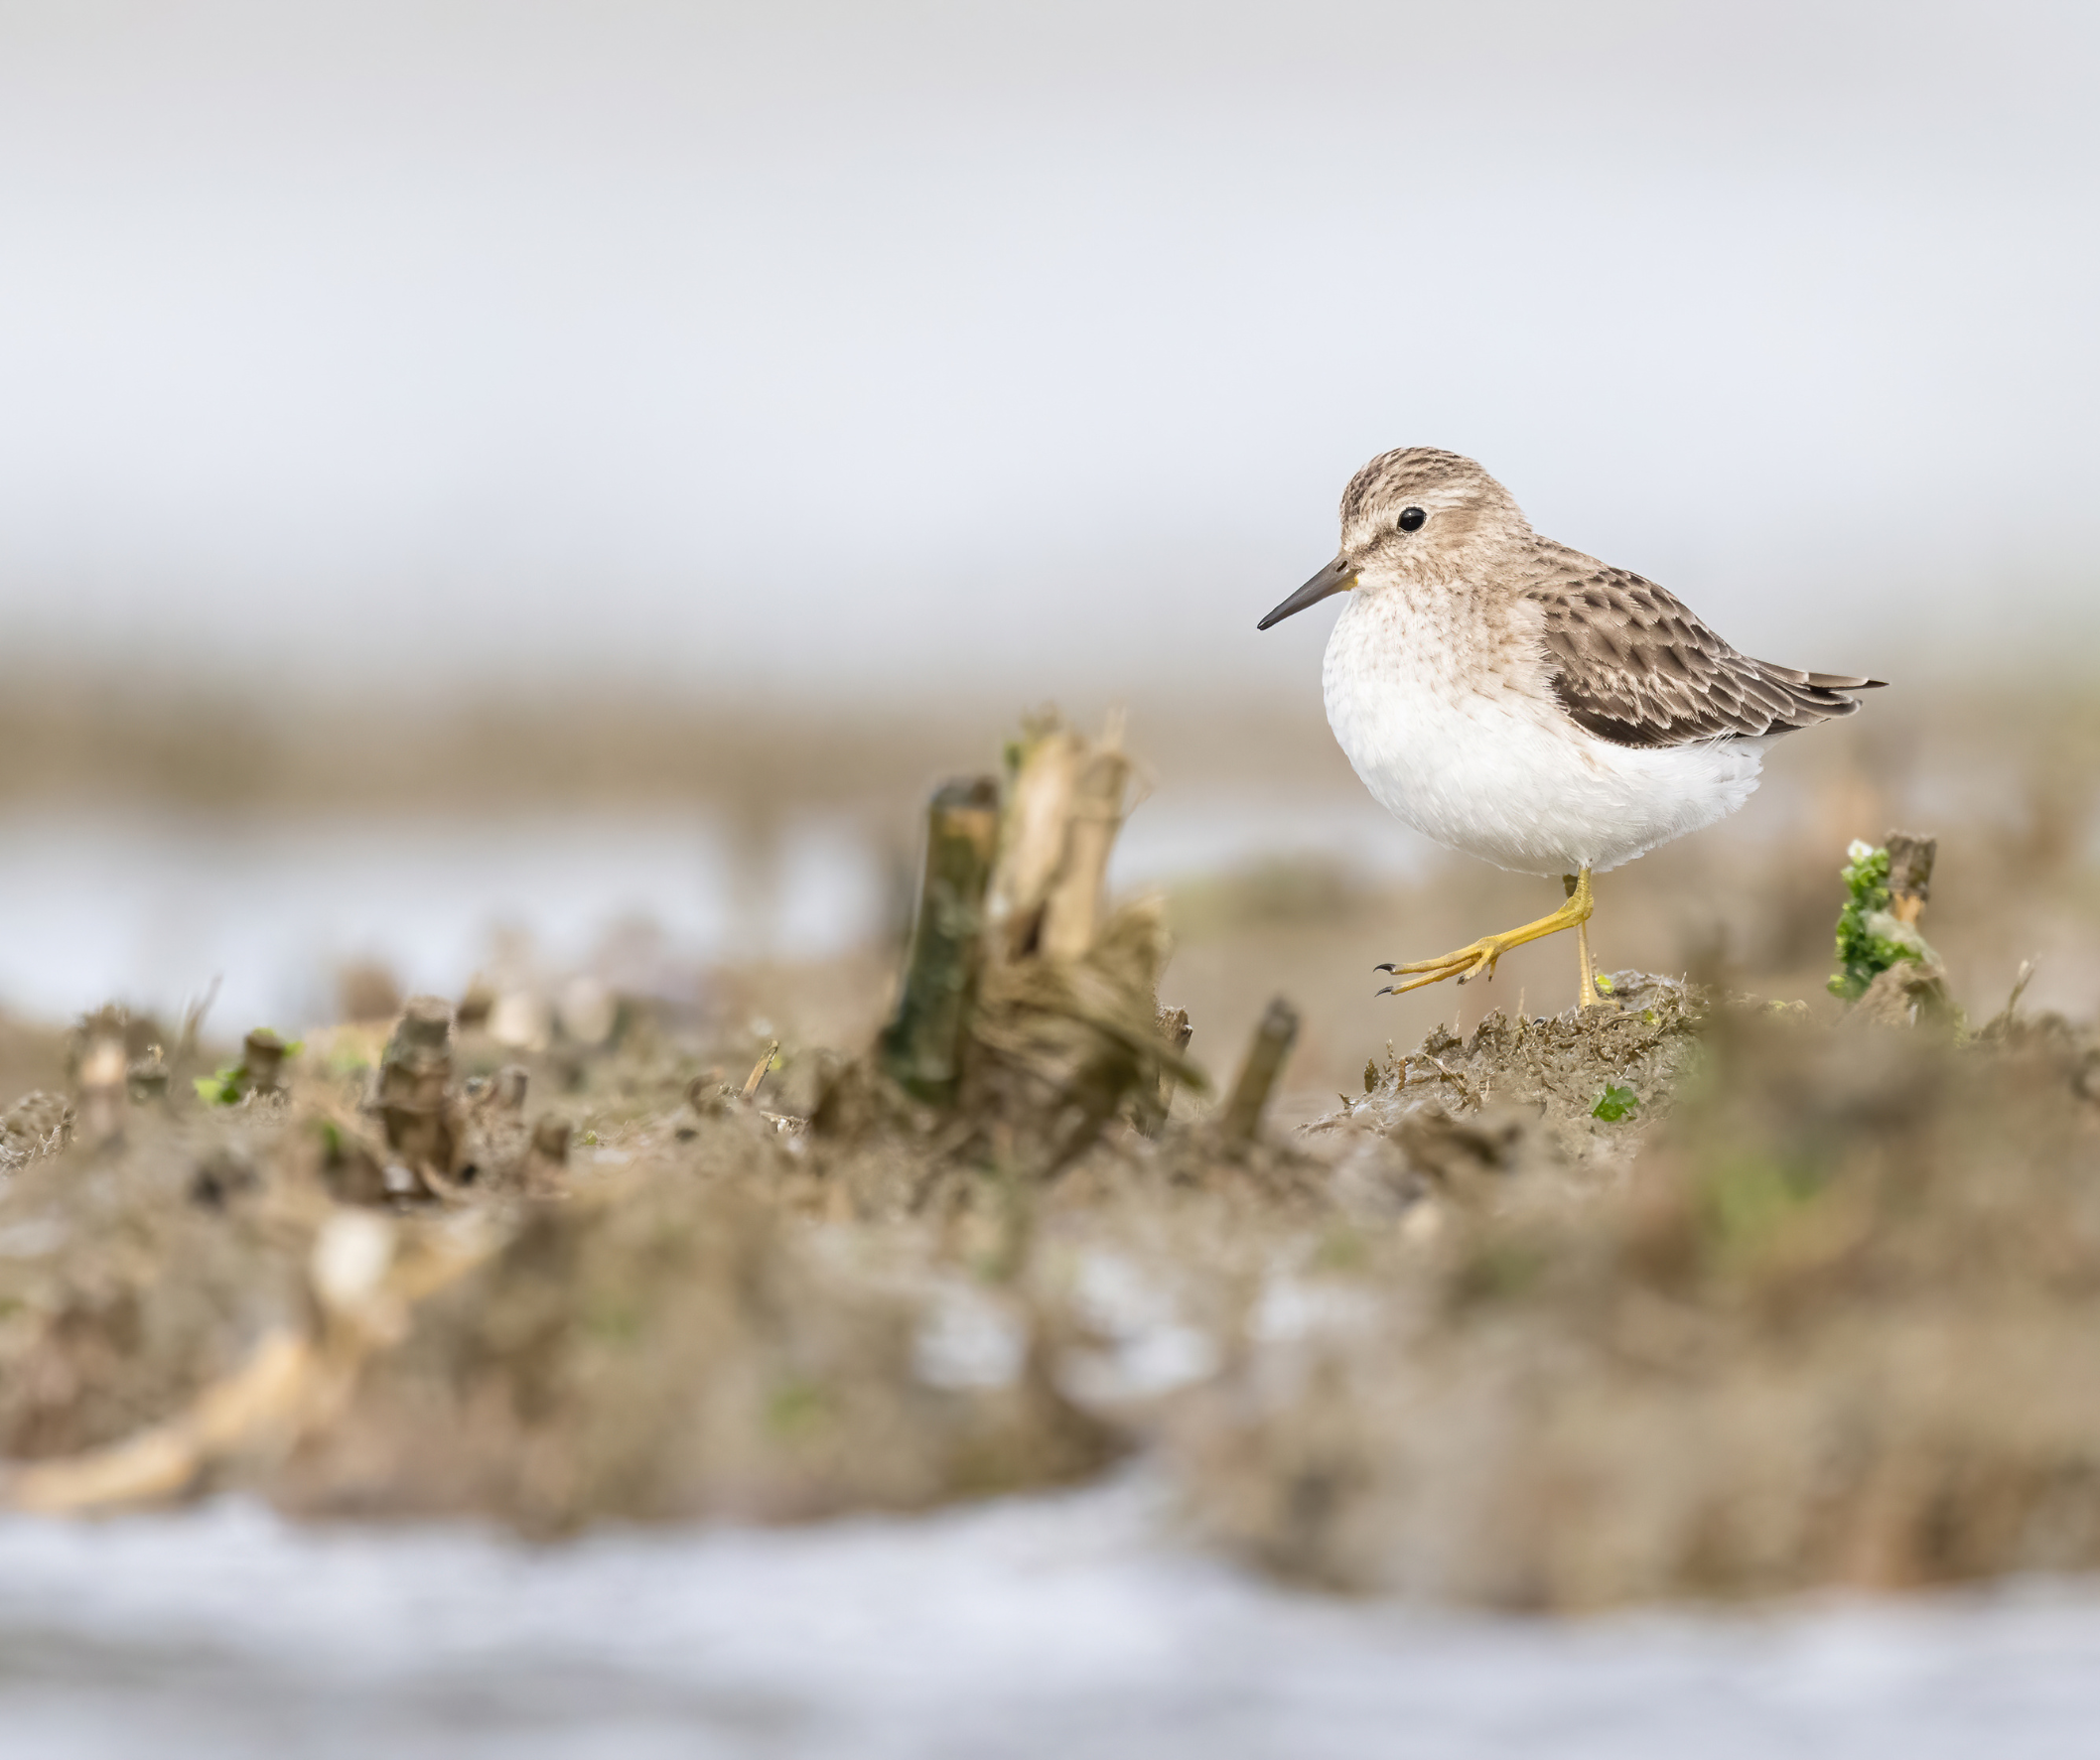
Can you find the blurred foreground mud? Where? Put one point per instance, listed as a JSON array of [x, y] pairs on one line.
[[1692, 1295], [1836, 1323]]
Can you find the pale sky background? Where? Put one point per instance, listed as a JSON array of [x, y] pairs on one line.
[[838, 345]]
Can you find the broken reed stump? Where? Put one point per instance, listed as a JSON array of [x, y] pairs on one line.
[[103, 1080], [1911, 858], [1912, 990], [922, 1047], [1035, 830], [1175, 1031], [1065, 1033], [1064, 806], [262, 1056], [550, 1139], [1029, 1008], [1274, 1036], [1071, 912], [115, 1063], [415, 1076]]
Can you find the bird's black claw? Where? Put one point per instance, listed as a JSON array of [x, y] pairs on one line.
[[1383, 967]]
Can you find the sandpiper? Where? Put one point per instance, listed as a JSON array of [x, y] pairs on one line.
[[1527, 704]]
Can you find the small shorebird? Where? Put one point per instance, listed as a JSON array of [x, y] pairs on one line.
[[1527, 704]]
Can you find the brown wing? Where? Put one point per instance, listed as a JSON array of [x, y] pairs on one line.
[[1632, 665]]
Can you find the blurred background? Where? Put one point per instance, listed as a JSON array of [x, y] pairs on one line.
[[545, 488]]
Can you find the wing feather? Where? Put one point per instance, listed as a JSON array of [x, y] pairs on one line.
[[1632, 664]]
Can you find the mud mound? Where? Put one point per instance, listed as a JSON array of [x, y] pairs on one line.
[[1818, 1306], [136, 1273], [662, 1349], [1835, 1328]]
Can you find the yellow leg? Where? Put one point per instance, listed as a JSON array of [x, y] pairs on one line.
[[1587, 997], [1468, 963]]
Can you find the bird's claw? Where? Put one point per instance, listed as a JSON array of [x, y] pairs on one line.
[[1467, 963], [1471, 961]]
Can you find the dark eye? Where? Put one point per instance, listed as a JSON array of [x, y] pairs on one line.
[[1411, 519]]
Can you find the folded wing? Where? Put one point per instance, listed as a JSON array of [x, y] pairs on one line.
[[1632, 665]]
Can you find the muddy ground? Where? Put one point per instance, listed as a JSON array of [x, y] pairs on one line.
[[1816, 1301], [1721, 1287], [2008, 775]]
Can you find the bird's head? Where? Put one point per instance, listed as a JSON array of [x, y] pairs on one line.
[[1413, 515]]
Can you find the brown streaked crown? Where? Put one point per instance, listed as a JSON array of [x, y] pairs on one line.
[[1466, 509]]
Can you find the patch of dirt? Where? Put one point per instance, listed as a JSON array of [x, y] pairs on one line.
[[1834, 1326]]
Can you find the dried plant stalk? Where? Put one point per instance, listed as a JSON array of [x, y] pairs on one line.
[[1274, 1036], [1033, 836], [922, 1047], [1071, 914]]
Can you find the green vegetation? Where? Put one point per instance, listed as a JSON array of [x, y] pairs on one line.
[[1613, 1104], [1869, 937], [221, 1089]]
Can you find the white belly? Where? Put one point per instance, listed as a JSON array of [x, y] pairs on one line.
[[1445, 743]]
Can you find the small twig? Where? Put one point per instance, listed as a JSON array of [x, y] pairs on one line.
[[1272, 1039], [2008, 1016], [757, 1074]]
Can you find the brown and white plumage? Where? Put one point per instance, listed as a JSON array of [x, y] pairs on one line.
[[1518, 700], [1527, 704]]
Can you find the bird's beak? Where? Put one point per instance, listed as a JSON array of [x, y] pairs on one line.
[[1338, 577]]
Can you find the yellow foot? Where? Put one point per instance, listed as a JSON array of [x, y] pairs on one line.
[[1468, 963]]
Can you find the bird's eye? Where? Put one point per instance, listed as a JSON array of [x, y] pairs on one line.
[[1411, 519]]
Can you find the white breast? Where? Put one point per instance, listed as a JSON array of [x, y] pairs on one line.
[[1450, 724]]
